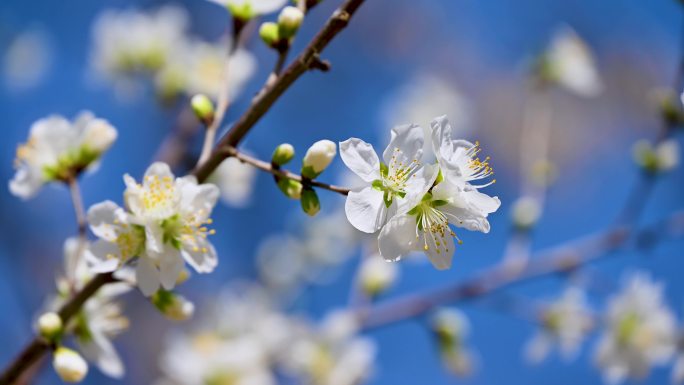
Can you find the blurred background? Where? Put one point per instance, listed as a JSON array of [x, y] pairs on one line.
[[400, 60]]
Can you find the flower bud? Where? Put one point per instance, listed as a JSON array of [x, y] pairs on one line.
[[450, 326], [525, 213], [377, 275], [50, 326], [269, 33], [69, 365], [310, 203], [203, 108], [291, 188], [318, 157], [173, 306], [289, 20], [283, 154]]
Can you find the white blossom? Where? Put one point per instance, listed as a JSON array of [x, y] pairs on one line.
[[58, 149], [572, 63], [235, 181], [100, 319], [451, 328], [236, 342], [454, 201], [391, 186], [565, 324], [376, 275], [166, 226], [640, 331], [197, 67], [27, 59], [661, 157], [331, 354], [126, 42], [525, 212]]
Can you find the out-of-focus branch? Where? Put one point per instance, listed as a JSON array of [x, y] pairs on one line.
[[223, 98], [265, 166], [308, 59], [79, 208], [560, 259], [39, 346]]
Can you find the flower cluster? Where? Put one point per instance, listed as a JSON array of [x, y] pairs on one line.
[[59, 150], [127, 43], [413, 204], [245, 339], [164, 224], [99, 320]]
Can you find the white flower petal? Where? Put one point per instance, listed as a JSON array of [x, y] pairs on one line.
[[147, 276], [406, 144], [101, 351], [441, 254], [154, 238], [170, 268], [103, 256], [104, 219], [361, 158], [158, 169], [26, 182], [202, 256], [366, 210], [398, 237]]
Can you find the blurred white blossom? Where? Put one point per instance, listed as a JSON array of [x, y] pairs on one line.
[[58, 149], [423, 97], [565, 324], [130, 43], [525, 212], [640, 331], [235, 181], [572, 65], [661, 157], [100, 319], [451, 328], [376, 274], [332, 354], [28, 59]]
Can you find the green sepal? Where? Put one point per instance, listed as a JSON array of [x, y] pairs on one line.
[[308, 172], [387, 198], [291, 188]]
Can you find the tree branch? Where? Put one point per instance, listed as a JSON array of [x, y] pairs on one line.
[[265, 166], [560, 259], [264, 100]]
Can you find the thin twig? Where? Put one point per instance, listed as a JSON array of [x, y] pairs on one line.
[[265, 166], [560, 259], [79, 209], [39, 346], [264, 100], [223, 99]]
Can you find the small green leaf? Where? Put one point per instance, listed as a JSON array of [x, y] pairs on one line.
[[378, 185]]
